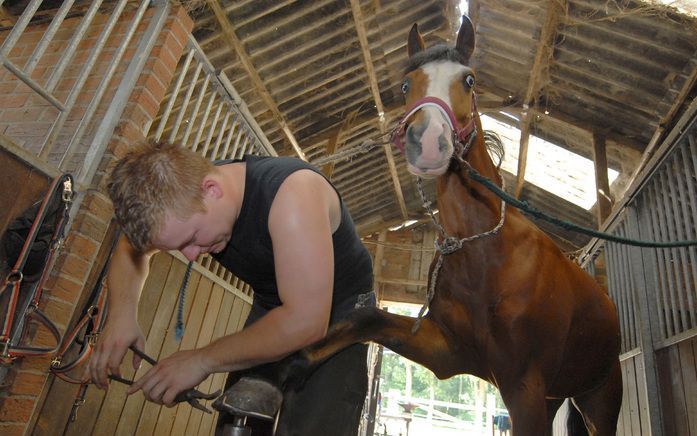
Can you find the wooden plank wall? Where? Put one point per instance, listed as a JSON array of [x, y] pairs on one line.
[[211, 311], [677, 376], [633, 419], [401, 272]]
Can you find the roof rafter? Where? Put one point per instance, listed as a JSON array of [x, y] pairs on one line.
[[543, 58], [375, 90], [232, 39]]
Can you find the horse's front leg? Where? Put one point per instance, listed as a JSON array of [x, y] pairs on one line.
[[428, 346]]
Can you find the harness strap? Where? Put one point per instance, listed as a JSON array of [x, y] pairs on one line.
[[463, 135], [12, 283], [93, 319]]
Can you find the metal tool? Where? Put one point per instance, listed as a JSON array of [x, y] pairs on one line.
[[191, 396]]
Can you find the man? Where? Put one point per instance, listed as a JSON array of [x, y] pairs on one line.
[[276, 223]]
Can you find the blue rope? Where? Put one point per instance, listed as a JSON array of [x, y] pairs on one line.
[[179, 329], [525, 207]]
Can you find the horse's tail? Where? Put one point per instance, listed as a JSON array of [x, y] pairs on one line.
[[574, 422]]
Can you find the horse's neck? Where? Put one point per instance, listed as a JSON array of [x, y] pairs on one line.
[[466, 206]]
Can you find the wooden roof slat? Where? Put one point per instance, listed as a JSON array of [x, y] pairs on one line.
[[232, 39]]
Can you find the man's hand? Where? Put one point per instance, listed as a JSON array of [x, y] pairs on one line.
[[112, 344], [176, 373]]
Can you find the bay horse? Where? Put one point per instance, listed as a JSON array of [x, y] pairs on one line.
[[508, 306]]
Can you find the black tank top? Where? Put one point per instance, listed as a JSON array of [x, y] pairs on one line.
[[249, 254]]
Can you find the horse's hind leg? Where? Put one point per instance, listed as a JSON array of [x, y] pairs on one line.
[[601, 406], [428, 346]]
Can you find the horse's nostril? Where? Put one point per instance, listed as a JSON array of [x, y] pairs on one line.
[[412, 135], [443, 143]]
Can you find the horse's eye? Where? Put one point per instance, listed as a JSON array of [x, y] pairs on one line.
[[405, 87], [469, 80]]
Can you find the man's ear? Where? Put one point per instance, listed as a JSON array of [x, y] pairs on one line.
[[211, 188]]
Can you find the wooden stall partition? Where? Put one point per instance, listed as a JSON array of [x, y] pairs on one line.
[[633, 419], [677, 373], [212, 309]]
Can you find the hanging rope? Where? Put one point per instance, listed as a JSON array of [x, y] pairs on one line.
[[525, 207], [347, 153], [179, 329]]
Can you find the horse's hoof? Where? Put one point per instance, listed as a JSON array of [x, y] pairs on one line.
[[250, 397]]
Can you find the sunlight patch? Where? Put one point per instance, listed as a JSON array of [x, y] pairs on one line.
[[552, 168]]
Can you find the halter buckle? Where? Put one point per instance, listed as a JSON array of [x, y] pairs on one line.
[[67, 191]]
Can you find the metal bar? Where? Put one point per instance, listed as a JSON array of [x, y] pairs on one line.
[[613, 288], [627, 290], [690, 174], [32, 84], [659, 295], [184, 106], [233, 127], [19, 27], [221, 133], [668, 257], [194, 111], [103, 85], [631, 289], [618, 278], [246, 114], [206, 113], [48, 36], [173, 96], [651, 397], [212, 128], [69, 52], [668, 197], [662, 261], [679, 190], [243, 149], [113, 115], [84, 73], [240, 130]]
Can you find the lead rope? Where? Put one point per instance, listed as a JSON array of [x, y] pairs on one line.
[[449, 245], [179, 329]]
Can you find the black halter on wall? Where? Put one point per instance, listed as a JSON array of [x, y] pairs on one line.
[[30, 244]]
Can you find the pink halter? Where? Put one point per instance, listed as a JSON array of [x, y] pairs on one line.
[[465, 135]]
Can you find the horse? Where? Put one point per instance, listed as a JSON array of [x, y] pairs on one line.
[[507, 305]]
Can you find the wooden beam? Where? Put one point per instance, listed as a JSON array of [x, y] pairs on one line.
[[6, 18], [328, 169], [375, 90], [377, 261], [602, 185], [523, 151], [543, 58], [663, 127], [234, 42]]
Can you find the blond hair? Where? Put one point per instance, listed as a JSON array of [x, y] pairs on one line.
[[154, 179]]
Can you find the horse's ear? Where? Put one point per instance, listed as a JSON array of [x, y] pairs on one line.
[[416, 42], [465, 38]]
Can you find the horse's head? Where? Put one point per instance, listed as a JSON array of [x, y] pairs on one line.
[[438, 89]]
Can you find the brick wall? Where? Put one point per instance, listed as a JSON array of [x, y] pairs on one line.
[[23, 118]]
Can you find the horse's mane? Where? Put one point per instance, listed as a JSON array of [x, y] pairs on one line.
[[439, 52], [495, 146]]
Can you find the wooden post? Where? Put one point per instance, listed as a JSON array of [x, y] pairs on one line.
[[523, 151], [377, 263], [328, 169], [602, 185]]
